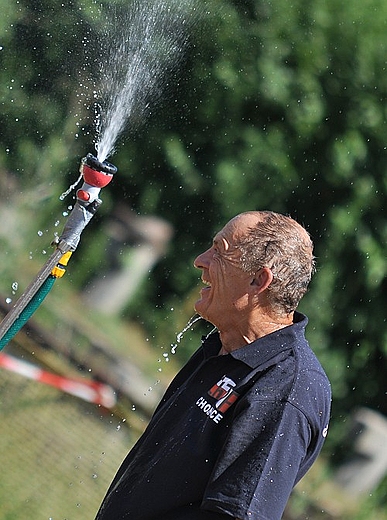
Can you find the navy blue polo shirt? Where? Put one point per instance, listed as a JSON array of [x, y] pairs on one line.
[[231, 437]]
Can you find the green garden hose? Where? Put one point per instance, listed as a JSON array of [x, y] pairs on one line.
[[28, 310]]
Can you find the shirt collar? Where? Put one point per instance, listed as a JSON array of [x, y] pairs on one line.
[[261, 350]]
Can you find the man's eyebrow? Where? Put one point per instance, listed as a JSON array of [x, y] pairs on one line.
[[217, 240], [220, 243]]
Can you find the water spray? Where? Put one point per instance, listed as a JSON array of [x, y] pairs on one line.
[[96, 175]]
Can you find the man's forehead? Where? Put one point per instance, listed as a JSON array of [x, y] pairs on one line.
[[232, 232], [239, 225]]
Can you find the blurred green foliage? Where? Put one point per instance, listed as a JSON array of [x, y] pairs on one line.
[[277, 106]]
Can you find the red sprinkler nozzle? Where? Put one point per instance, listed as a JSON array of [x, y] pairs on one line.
[[96, 175]]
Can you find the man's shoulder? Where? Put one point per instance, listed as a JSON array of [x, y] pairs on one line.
[[311, 390]]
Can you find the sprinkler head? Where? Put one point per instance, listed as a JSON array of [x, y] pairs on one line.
[[95, 164], [96, 173]]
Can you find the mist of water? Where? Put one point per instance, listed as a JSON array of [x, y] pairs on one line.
[[147, 40]]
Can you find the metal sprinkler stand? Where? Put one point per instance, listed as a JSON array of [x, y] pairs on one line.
[[96, 175]]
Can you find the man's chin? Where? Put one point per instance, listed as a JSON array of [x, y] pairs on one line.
[[197, 308], [200, 308]]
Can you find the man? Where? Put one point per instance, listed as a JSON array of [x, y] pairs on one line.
[[246, 417]]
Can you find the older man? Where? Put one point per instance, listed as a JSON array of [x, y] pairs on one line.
[[246, 417]]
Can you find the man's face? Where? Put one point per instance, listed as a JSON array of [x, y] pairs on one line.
[[227, 286]]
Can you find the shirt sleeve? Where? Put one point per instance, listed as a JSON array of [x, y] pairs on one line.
[[258, 465]]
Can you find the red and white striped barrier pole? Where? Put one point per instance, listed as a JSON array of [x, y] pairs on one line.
[[90, 391]]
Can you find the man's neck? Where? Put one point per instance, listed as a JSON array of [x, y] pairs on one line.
[[237, 336]]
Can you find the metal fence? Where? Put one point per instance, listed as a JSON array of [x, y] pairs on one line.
[[58, 454]]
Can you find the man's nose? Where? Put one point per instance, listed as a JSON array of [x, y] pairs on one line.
[[201, 261]]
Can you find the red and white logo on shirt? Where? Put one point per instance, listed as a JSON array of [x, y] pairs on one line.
[[224, 394]]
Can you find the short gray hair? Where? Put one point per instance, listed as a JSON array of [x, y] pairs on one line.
[[281, 244]]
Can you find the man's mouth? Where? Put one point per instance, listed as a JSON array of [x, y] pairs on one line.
[[207, 285]]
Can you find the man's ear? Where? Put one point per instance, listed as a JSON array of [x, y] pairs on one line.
[[262, 279]]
